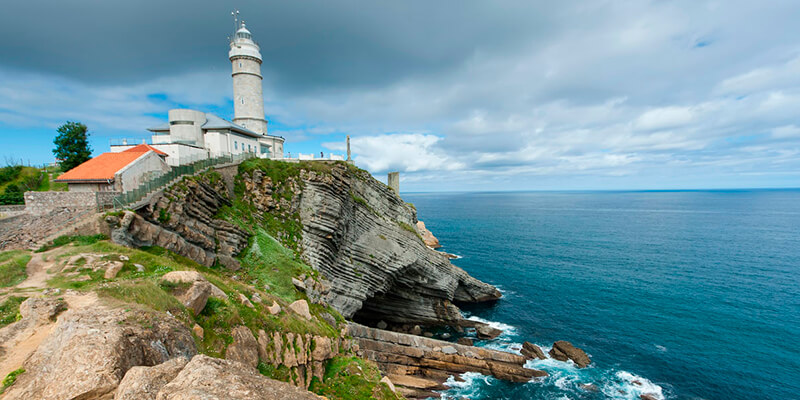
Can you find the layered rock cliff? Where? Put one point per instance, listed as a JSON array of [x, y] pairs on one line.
[[351, 228], [361, 236]]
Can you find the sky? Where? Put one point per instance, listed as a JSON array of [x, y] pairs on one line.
[[457, 95]]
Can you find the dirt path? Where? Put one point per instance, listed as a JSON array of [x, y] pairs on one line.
[[37, 272]]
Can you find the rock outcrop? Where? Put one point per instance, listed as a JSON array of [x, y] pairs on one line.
[[427, 236], [563, 351], [211, 378], [144, 383], [417, 365], [182, 219], [532, 351], [361, 236], [89, 351]]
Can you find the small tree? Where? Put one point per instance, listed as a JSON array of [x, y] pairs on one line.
[[72, 145]]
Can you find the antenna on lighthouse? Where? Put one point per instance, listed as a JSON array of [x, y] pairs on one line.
[[235, 14]]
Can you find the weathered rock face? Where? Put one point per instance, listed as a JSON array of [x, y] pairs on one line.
[[361, 236], [427, 236], [143, 383], [563, 351], [90, 350], [211, 378], [304, 355], [182, 220], [419, 365]]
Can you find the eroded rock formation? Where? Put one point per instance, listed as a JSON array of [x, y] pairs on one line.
[[182, 219], [90, 350], [419, 365], [362, 237]]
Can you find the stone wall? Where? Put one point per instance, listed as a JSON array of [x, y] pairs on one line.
[[40, 203]]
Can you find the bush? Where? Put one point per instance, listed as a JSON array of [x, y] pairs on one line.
[[10, 379]]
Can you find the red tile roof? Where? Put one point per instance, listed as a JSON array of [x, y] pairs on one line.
[[144, 148], [100, 168]]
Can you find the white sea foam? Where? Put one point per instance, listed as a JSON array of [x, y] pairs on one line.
[[470, 385], [661, 348], [628, 386], [507, 329]]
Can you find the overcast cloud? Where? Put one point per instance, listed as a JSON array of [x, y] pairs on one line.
[[457, 95]]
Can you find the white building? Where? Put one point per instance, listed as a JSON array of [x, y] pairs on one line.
[[191, 135]]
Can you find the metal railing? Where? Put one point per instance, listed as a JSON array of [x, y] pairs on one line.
[[158, 182]]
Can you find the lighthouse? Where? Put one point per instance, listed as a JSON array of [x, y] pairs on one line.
[[248, 97]]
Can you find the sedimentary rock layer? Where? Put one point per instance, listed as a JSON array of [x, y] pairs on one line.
[[419, 365], [362, 237]]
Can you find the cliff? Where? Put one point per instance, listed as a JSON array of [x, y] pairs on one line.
[[361, 236]]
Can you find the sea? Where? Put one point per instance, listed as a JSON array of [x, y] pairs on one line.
[[675, 294]]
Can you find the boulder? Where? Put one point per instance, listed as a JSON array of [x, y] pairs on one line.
[[486, 332], [245, 301], [275, 308], [382, 325], [244, 348], [648, 396], [143, 383], [449, 350], [532, 351], [89, 351], [198, 331], [113, 269], [589, 387], [563, 351], [298, 284], [196, 296], [211, 378], [301, 307], [416, 330]]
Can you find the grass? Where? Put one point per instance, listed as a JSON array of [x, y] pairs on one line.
[[352, 378], [10, 379], [272, 264], [409, 228], [9, 310], [12, 267], [77, 240]]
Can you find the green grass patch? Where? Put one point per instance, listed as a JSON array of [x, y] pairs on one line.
[[9, 310], [271, 264], [78, 240], [10, 379], [409, 228], [12, 267], [145, 292], [352, 378]]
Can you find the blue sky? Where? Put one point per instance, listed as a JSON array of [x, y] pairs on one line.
[[457, 95]]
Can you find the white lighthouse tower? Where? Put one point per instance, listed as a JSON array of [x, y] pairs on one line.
[[248, 98]]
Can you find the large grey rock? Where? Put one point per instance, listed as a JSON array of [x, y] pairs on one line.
[[196, 295], [89, 351], [301, 307], [143, 383], [211, 378]]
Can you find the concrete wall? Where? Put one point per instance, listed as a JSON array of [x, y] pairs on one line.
[[91, 187], [139, 171], [39, 203], [185, 126]]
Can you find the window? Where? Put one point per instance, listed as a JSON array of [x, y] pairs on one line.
[[249, 149], [240, 65], [241, 99], [235, 145]]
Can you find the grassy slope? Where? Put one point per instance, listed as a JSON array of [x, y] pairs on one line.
[[12, 267], [266, 262]]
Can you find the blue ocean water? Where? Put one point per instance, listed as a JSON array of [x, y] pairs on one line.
[[687, 295]]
